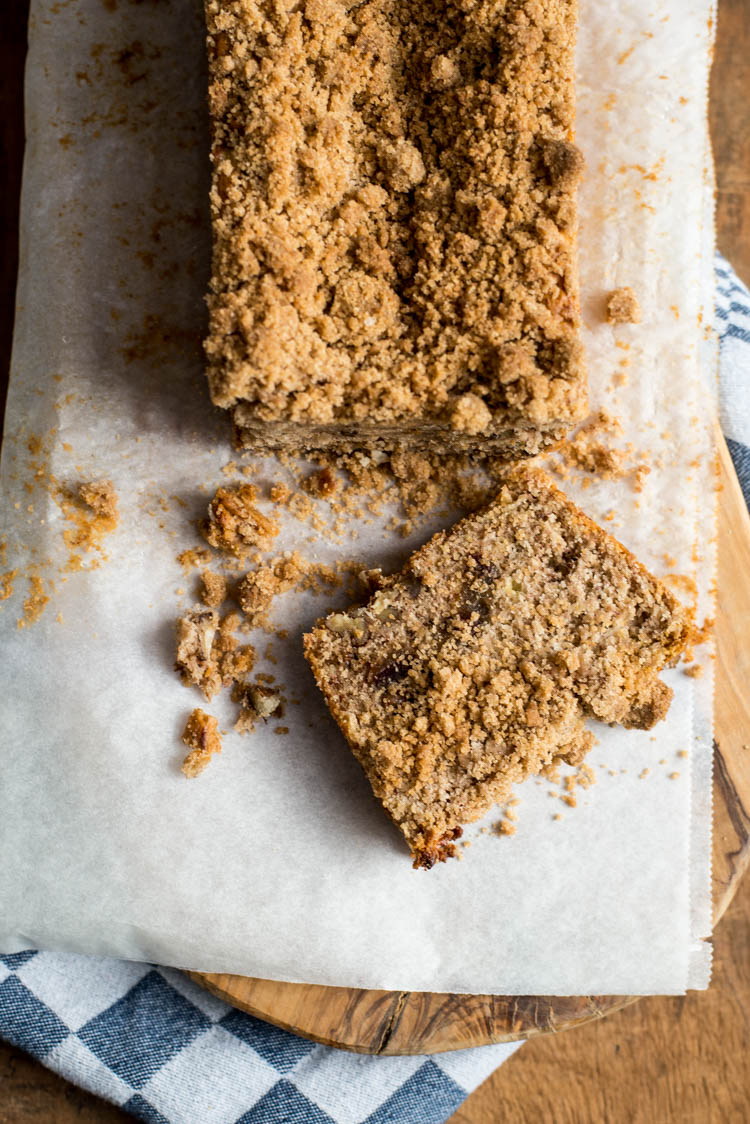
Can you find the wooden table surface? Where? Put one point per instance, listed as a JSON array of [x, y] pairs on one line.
[[660, 1061]]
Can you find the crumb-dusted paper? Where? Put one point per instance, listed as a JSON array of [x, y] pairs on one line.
[[276, 861]]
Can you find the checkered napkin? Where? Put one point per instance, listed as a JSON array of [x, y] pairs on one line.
[[165, 1050]]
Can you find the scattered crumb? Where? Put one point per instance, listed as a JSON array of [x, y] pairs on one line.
[[256, 701], [643, 773], [682, 753], [674, 776], [322, 484], [201, 736], [623, 307], [213, 589], [101, 497], [234, 524], [505, 827], [640, 472], [258, 588], [557, 816], [280, 494], [92, 511], [195, 639], [695, 671], [6, 584], [590, 453], [35, 603], [192, 559]]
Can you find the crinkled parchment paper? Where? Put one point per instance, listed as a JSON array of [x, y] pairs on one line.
[[277, 862]]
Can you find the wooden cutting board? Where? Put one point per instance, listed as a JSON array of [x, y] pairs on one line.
[[403, 1022]]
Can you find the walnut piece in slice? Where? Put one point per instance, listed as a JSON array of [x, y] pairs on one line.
[[201, 736]]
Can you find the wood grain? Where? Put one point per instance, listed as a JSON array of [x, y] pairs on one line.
[[729, 115], [731, 841]]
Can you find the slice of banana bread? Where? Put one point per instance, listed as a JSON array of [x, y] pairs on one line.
[[394, 223], [476, 666]]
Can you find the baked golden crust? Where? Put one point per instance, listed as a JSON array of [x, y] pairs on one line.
[[476, 666], [394, 222]]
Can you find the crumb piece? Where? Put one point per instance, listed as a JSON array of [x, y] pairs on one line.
[[213, 589], [505, 827], [695, 671], [194, 661], [280, 494], [202, 738], [643, 773], [640, 473], [231, 659], [235, 525], [258, 588], [91, 511], [589, 452], [35, 603], [557, 816], [322, 484], [623, 307], [101, 497], [674, 776], [6, 584], [236, 662], [281, 730], [256, 701], [192, 559], [682, 753]]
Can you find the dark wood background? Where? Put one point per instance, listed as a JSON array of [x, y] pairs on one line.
[[660, 1061]]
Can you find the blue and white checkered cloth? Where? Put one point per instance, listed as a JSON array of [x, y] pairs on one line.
[[167, 1051], [155, 1043], [733, 326]]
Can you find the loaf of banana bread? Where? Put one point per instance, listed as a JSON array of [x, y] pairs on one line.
[[394, 223]]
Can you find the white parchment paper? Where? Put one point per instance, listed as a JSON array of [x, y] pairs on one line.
[[277, 862]]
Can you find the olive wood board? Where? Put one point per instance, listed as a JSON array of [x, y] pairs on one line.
[[410, 1022]]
